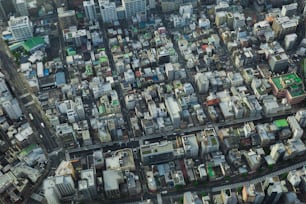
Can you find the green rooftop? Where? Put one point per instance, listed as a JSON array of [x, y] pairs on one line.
[[115, 102], [103, 59], [281, 123], [71, 51], [89, 70], [211, 172], [286, 80], [27, 150], [101, 109], [32, 43]]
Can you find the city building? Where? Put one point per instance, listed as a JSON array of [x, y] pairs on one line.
[[12, 109], [155, 153], [22, 7], [87, 184], [279, 62], [254, 193], [21, 28], [57, 188], [112, 179], [190, 145], [108, 11], [66, 18], [190, 198], [289, 86], [90, 10], [209, 141], [133, 7]]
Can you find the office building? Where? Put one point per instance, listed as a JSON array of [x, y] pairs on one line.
[[21, 28], [279, 62], [284, 25], [155, 153], [173, 110], [57, 188], [108, 11], [289, 9], [87, 184], [66, 18], [289, 86], [191, 198], [112, 179], [90, 10], [190, 145], [228, 197], [6, 7], [133, 7], [170, 5], [253, 193], [12, 109], [22, 7]]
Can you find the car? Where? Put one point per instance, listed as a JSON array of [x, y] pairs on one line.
[[40, 136], [42, 124]]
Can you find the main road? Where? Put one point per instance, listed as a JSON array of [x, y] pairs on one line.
[[20, 89]]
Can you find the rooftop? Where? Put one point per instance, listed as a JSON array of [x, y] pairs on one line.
[[32, 43], [286, 80]]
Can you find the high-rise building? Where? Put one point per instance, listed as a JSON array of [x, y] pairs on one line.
[[12, 109], [57, 188], [66, 18], [108, 11], [21, 28], [87, 184], [3, 11], [22, 7], [5, 93], [90, 9], [132, 7]]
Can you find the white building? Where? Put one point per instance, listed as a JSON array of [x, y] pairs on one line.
[[22, 8], [90, 9], [108, 11], [132, 7], [190, 145], [58, 187], [174, 111], [21, 27]]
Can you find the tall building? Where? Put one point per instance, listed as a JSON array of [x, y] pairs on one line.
[[22, 7], [133, 7], [21, 28], [12, 109], [66, 18], [191, 198], [57, 188], [5, 93], [90, 9], [3, 11], [155, 153], [87, 184], [108, 11]]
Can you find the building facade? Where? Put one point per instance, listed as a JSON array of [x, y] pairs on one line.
[[21, 28]]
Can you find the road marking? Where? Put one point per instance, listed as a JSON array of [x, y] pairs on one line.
[[25, 95], [28, 104]]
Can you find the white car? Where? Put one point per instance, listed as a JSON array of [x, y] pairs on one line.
[[42, 124]]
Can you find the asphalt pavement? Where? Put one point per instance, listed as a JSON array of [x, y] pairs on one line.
[[20, 88]]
